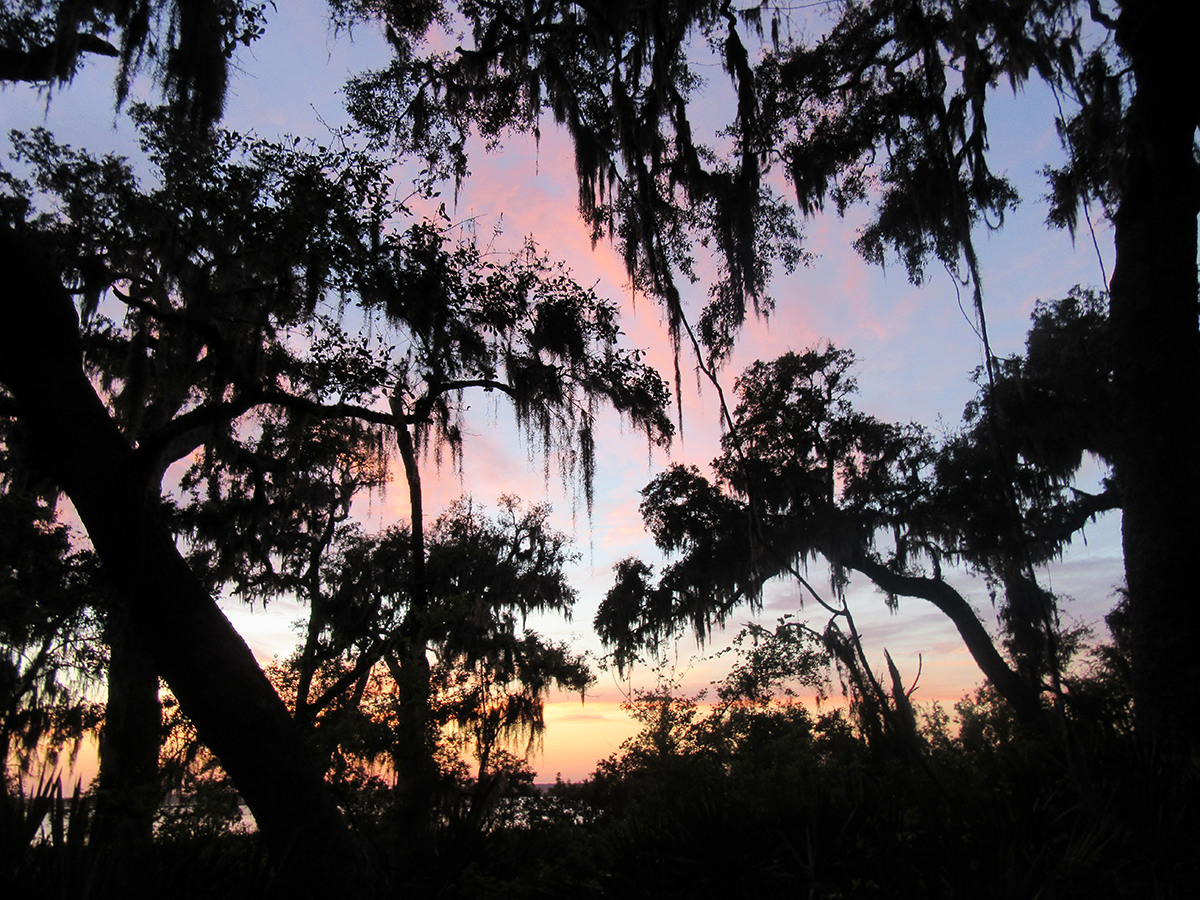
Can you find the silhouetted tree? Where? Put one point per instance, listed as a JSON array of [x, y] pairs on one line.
[[81, 448], [887, 103], [893, 94], [79, 443], [897, 92], [484, 674], [804, 474], [217, 268]]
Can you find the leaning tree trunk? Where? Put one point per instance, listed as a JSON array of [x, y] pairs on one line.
[[128, 789], [201, 657], [1155, 370]]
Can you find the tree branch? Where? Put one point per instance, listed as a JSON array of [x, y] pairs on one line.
[[1024, 699], [1100, 17], [54, 62], [1075, 514], [423, 406], [180, 436]]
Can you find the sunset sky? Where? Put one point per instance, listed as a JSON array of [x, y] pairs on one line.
[[915, 348]]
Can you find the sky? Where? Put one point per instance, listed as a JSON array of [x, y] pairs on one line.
[[915, 348]]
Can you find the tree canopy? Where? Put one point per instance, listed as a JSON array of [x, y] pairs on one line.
[[214, 317], [804, 475]]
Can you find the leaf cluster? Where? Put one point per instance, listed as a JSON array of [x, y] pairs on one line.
[[892, 101], [186, 47], [623, 80], [53, 602]]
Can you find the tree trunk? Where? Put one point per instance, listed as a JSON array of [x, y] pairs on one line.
[[416, 769], [201, 657], [128, 790], [1155, 374]]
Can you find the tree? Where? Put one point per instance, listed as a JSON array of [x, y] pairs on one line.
[[110, 235], [352, 684], [1156, 384], [911, 81], [465, 662], [888, 103], [523, 329], [206, 266], [211, 288], [895, 95], [903, 83], [186, 46], [195, 91], [893, 68], [621, 78], [492, 672], [804, 474], [237, 712]]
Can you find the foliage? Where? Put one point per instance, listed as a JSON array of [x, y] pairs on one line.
[[486, 674], [200, 801], [52, 606], [623, 82], [222, 266], [186, 49], [222, 269], [228, 283], [804, 474], [792, 802], [213, 317], [48, 854]]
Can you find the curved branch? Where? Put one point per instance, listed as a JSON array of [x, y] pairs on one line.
[[423, 406], [181, 435], [53, 62], [1077, 513], [1024, 699]]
